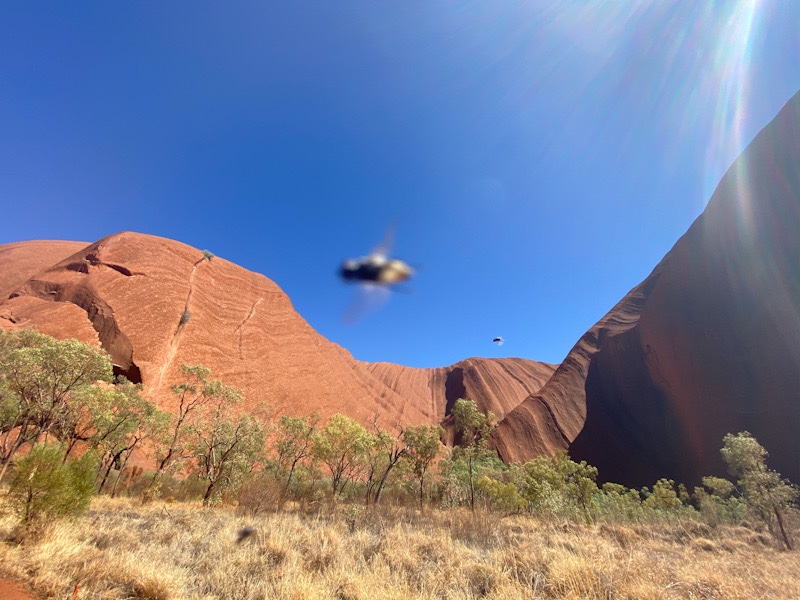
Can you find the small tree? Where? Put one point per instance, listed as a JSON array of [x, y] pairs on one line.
[[377, 461], [47, 486], [423, 443], [473, 427], [293, 444], [195, 392], [389, 450], [39, 375], [765, 491], [122, 425], [226, 449], [341, 446]]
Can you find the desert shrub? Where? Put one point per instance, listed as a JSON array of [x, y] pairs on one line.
[[663, 497], [663, 503], [616, 503], [185, 317], [558, 485], [452, 488], [716, 502], [504, 497], [45, 486], [261, 493]]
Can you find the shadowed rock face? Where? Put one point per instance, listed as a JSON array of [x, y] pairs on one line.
[[155, 303], [708, 344]]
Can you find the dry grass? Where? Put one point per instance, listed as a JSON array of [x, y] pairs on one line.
[[121, 549]]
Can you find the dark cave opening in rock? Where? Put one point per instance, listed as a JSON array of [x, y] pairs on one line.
[[132, 373]]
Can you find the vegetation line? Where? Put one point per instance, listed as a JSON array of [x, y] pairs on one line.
[[240, 328], [182, 321], [236, 505]]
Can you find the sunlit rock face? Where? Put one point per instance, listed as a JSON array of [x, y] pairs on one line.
[[155, 303], [708, 344], [494, 384]]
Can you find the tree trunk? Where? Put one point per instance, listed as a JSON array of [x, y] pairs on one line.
[[105, 477], [119, 476], [471, 486], [207, 496], [14, 447], [392, 463], [786, 539]]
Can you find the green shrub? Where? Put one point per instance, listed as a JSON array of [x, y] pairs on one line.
[[559, 485], [617, 503], [504, 497], [716, 502], [663, 497], [47, 487]]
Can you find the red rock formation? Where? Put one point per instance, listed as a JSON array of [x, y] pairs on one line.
[[497, 385], [708, 344], [154, 304], [21, 260]]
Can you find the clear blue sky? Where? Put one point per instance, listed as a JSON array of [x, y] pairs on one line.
[[538, 158]]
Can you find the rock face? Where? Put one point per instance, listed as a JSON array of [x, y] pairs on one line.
[[708, 344], [154, 303], [497, 385], [20, 261]]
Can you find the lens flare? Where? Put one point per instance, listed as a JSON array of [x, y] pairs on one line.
[[732, 67]]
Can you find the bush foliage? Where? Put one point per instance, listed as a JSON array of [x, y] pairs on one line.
[[207, 451], [47, 486]]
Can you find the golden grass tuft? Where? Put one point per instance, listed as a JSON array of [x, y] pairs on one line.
[[121, 549]]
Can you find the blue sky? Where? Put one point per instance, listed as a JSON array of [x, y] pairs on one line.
[[537, 158]]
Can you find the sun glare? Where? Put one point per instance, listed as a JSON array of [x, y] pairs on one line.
[[732, 69]]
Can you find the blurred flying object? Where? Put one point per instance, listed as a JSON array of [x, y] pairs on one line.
[[244, 533], [374, 273], [499, 341], [377, 267]]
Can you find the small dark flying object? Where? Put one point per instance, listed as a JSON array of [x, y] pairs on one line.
[[375, 276], [245, 533], [499, 341], [377, 267]]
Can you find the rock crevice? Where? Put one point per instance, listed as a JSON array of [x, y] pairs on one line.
[[100, 315]]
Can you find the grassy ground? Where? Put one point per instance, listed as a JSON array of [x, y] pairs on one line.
[[122, 549]]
